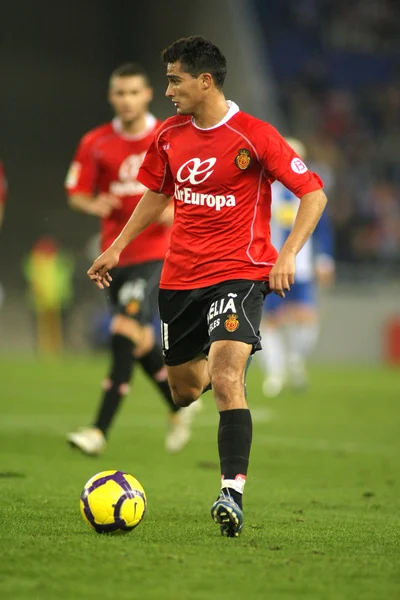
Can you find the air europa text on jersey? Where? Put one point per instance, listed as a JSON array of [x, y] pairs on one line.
[[216, 201]]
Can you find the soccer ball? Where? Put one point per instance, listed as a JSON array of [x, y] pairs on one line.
[[113, 502]]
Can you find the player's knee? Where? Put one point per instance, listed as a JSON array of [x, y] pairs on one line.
[[183, 394], [127, 327], [109, 383], [146, 341], [226, 382]]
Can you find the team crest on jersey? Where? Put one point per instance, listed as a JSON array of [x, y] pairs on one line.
[[231, 323], [243, 159]]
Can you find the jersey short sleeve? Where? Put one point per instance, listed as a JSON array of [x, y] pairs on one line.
[[155, 172], [283, 164], [82, 173]]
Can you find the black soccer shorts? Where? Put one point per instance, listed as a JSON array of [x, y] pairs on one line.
[[134, 289], [191, 320]]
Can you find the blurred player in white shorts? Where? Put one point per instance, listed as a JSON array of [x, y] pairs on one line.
[[290, 325]]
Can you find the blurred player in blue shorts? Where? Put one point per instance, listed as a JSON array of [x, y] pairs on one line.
[[290, 325]]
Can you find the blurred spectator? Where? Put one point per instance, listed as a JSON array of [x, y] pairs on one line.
[[48, 271], [335, 63]]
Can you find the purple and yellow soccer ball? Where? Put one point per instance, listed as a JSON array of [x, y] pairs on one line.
[[113, 502]]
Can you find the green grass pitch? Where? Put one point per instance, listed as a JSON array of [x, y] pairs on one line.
[[322, 501]]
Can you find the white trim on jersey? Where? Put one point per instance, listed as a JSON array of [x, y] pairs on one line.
[[257, 200], [151, 122], [232, 110], [169, 127], [163, 180]]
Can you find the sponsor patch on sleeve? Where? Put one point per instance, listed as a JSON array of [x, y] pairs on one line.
[[298, 166]]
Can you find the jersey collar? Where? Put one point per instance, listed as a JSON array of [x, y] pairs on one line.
[[233, 109], [150, 125]]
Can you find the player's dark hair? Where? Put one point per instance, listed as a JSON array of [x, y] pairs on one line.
[[130, 69], [197, 55]]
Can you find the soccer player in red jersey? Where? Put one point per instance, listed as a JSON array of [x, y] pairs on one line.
[[219, 163], [102, 181]]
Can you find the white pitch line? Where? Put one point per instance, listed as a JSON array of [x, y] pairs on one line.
[[59, 424], [325, 445], [56, 422]]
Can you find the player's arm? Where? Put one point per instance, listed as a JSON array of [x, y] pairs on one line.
[[287, 167], [310, 210], [82, 180], [98, 206], [324, 261], [155, 174], [149, 209], [167, 216]]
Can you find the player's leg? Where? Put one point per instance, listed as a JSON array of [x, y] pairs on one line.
[[184, 337], [128, 336], [180, 418], [150, 356], [302, 332], [184, 334], [92, 440], [136, 301], [124, 335], [189, 380], [227, 363], [273, 354], [234, 320]]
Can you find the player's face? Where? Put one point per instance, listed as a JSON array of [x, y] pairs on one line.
[[129, 97], [185, 91]]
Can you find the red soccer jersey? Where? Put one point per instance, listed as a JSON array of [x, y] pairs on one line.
[[107, 161], [221, 179]]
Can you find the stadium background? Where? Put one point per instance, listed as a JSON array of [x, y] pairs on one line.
[[304, 66], [322, 498]]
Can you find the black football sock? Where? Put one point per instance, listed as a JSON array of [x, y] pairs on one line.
[[234, 442], [118, 381], [152, 363]]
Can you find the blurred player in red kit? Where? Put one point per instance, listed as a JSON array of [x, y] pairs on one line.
[[102, 181], [219, 163]]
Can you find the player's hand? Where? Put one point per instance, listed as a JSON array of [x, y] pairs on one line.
[[103, 205], [281, 276], [99, 271]]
